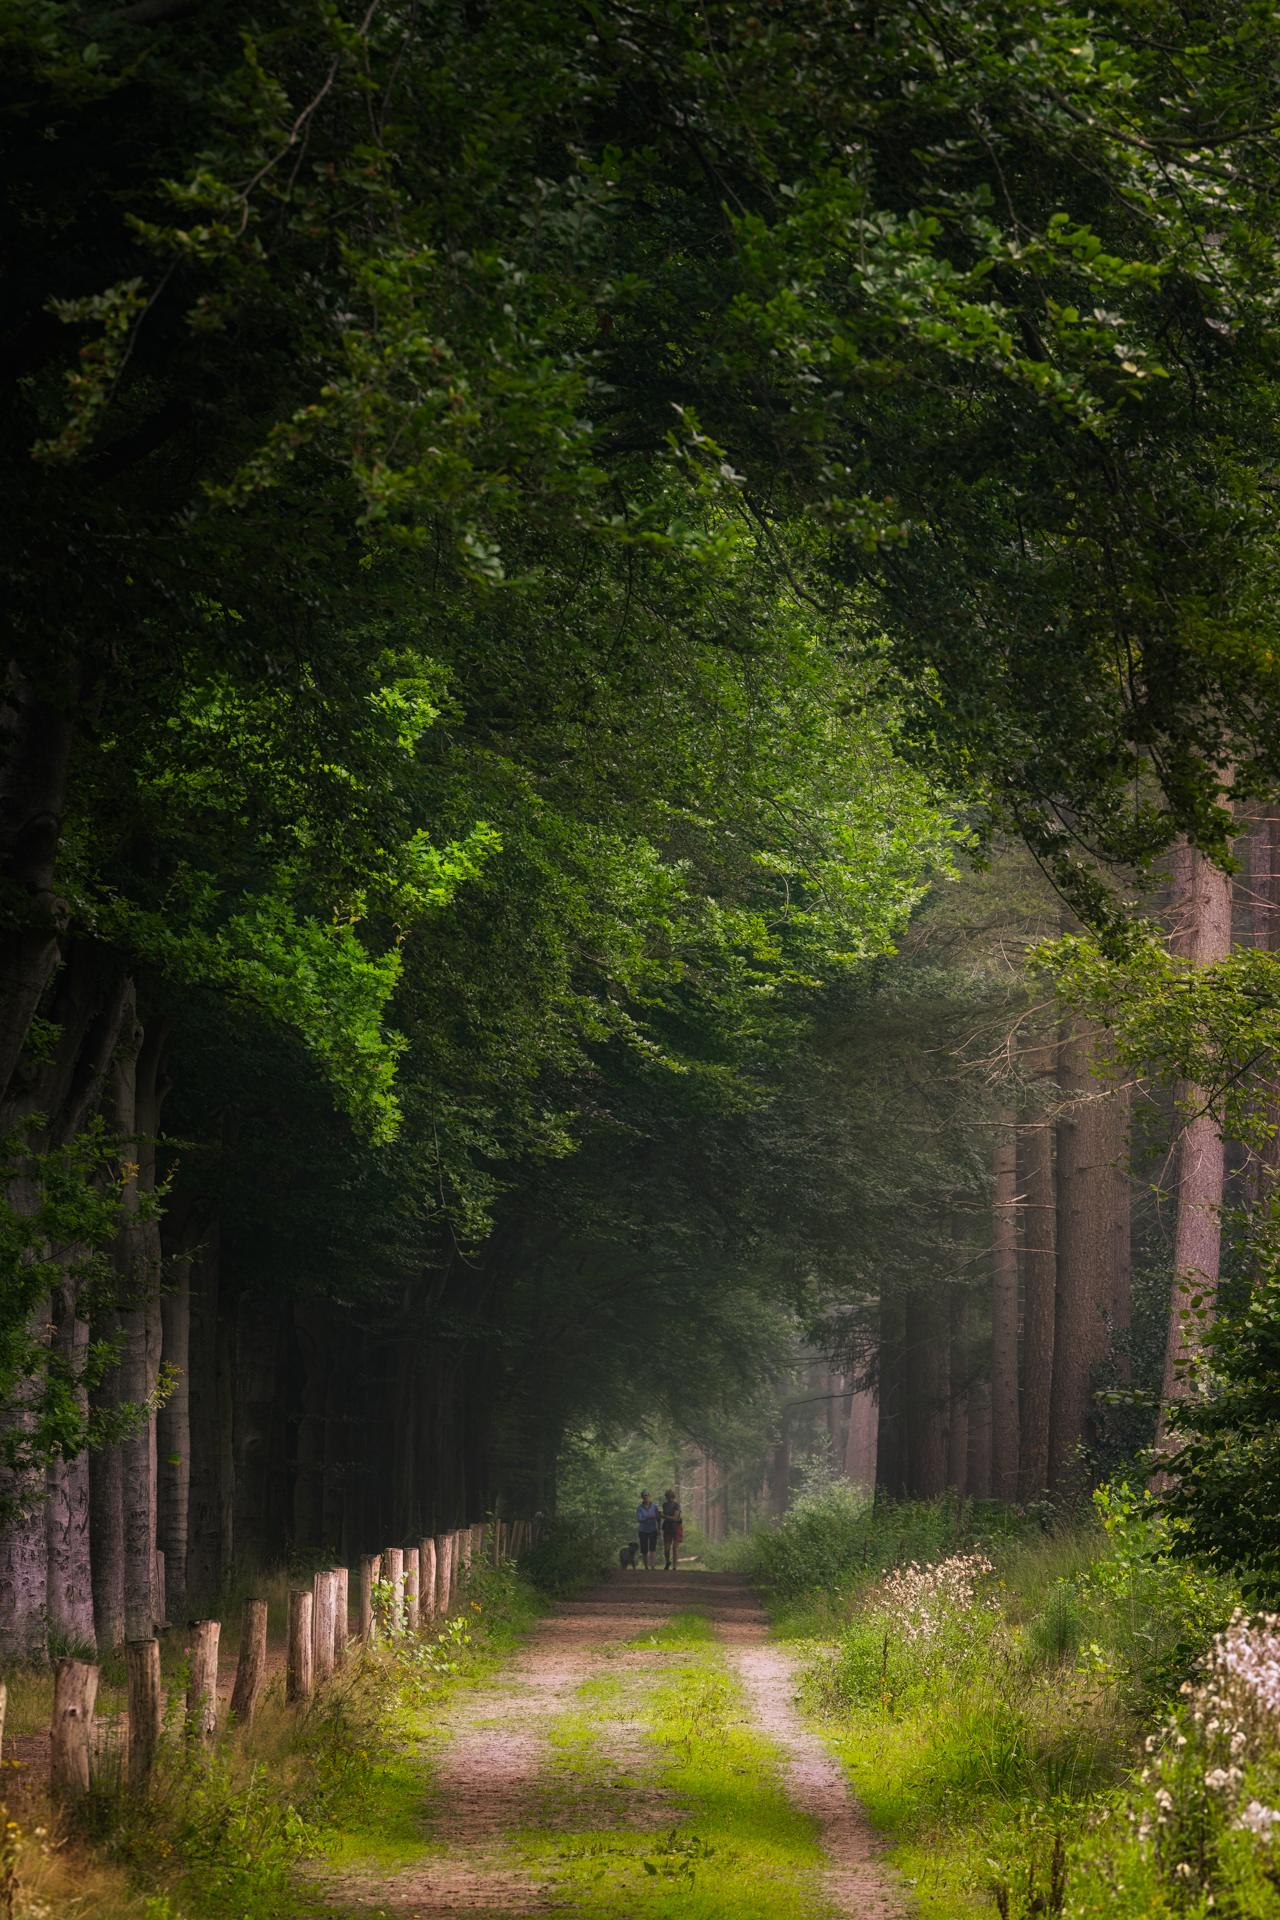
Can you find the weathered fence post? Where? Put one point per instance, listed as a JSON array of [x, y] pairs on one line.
[[442, 1575], [251, 1666], [341, 1614], [426, 1581], [146, 1709], [393, 1565], [322, 1626], [202, 1687], [412, 1601], [368, 1574], [298, 1671], [464, 1551], [496, 1548], [75, 1688]]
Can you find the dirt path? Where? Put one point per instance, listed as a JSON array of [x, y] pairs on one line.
[[550, 1745]]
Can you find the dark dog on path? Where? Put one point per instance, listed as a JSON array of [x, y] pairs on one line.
[[627, 1555]]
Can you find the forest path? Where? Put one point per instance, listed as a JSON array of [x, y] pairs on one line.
[[641, 1754]]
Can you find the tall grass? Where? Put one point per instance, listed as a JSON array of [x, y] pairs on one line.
[[987, 1681]]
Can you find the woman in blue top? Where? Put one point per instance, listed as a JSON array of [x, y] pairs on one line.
[[648, 1520]]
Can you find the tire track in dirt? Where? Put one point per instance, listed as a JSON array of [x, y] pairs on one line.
[[499, 1770]]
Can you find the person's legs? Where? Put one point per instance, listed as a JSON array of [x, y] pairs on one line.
[[675, 1554], [648, 1547]]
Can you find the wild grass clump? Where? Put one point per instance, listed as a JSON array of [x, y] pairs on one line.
[[573, 1552], [989, 1699], [835, 1538], [1198, 1833]]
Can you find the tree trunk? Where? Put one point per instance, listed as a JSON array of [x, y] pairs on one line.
[[926, 1394], [1004, 1310], [66, 1512], [205, 1564], [106, 1511], [958, 1380], [173, 1435], [890, 1448], [1204, 920], [1038, 1250], [137, 1285], [1092, 1144], [860, 1439], [979, 1464]]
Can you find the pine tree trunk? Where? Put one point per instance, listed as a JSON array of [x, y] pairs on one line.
[[173, 1436], [1092, 1145], [1204, 919], [958, 1377], [1004, 1310], [891, 1452], [1038, 1252], [926, 1394], [861, 1435], [205, 1566], [979, 1472]]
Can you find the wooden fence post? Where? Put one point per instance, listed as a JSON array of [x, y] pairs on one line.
[[426, 1582], [202, 1687], [393, 1565], [341, 1614], [412, 1601], [75, 1688], [322, 1626], [464, 1552], [299, 1672], [146, 1709], [442, 1575], [251, 1667], [368, 1574], [496, 1544]]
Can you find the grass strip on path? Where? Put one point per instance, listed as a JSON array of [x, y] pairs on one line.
[[723, 1837]]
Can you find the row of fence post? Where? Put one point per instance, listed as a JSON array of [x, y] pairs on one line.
[[399, 1591]]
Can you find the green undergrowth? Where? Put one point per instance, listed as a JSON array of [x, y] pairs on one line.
[[254, 1827], [989, 1689], [722, 1836]]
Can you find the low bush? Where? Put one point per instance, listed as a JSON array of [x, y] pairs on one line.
[[572, 1552]]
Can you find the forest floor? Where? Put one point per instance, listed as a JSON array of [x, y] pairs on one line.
[[640, 1753]]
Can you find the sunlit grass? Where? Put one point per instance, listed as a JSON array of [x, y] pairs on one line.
[[723, 1837]]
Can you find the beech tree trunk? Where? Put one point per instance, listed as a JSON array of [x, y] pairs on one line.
[[1203, 918], [1004, 1310], [66, 1509], [1038, 1252]]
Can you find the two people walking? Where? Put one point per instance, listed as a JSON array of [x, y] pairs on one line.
[[667, 1519]]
